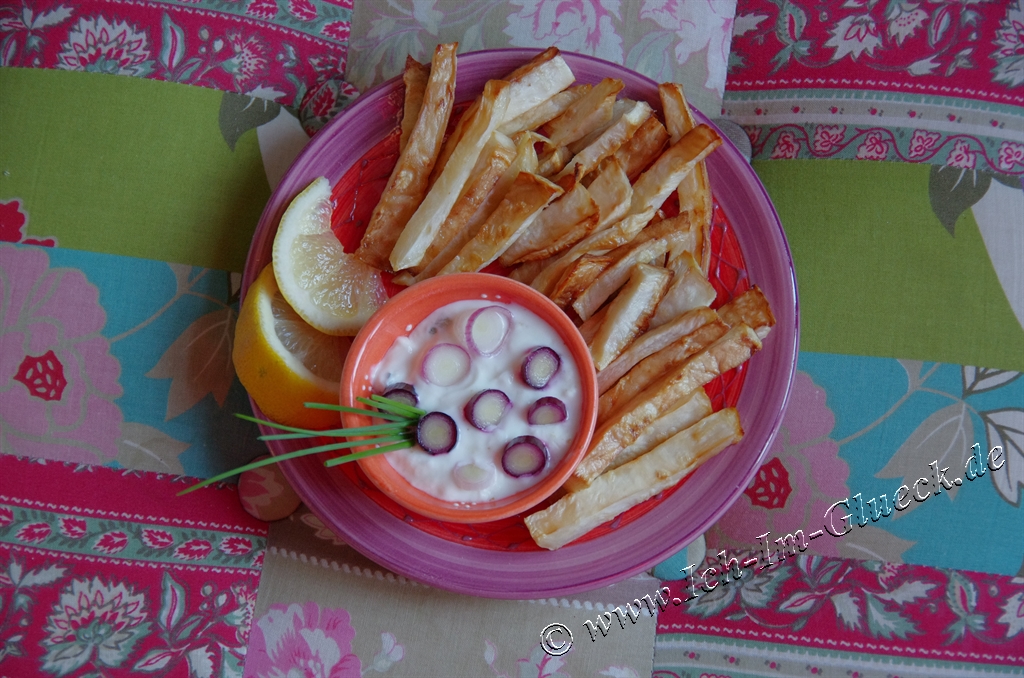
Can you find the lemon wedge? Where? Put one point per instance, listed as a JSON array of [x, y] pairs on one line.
[[330, 289], [283, 362]]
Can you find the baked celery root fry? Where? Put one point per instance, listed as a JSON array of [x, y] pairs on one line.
[[527, 197], [578, 277], [496, 158], [695, 190], [650, 342], [408, 182], [622, 488], [655, 366], [750, 308], [689, 290], [630, 312], [561, 225], [415, 79], [615, 276], [423, 225], [627, 424]]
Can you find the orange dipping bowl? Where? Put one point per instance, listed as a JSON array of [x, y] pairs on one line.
[[397, 318]]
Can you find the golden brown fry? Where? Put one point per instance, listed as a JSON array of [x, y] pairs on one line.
[[662, 177], [649, 191], [524, 201], [408, 182], [535, 62], [651, 342], [689, 290], [567, 238], [750, 308], [493, 163], [525, 273], [695, 407], [525, 161], [580, 274], [630, 312], [618, 108], [608, 141], [630, 421], [577, 513], [655, 366], [554, 160], [530, 84], [561, 225], [684, 238], [545, 111], [589, 329], [624, 234], [415, 79], [453, 140], [616, 275], [425, 222], [695, 189], [584, 115], [675, 231], [598, 241], [537, 81], [642, 148], [405, 278], [611, 191]]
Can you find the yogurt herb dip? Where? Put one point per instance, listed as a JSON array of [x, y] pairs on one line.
[[502, 371]]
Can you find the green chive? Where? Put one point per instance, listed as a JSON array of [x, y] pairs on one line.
[[356, 410], [305, 431], [368, 453], [413, 411], [396, 409], [273, 459], [355, 443], [341, 432], [398, 433]]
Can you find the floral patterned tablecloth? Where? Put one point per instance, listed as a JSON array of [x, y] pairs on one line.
[[139, 142]]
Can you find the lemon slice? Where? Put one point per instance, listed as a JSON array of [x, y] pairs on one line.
[[283, 362], [331, 290]]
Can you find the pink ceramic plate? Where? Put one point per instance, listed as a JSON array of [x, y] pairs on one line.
[[344, 503]]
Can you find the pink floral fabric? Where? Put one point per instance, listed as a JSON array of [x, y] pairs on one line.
[[789, 140], [303, 640], [832, 604], [961, 156], [585, 26], [88, 582], [934, 48], [874, 147], [795, 486], [698, 25], [291, 52], [58, 380], [787, 147], [938, 83], [1011, 156], [922, 142], [827, 137]]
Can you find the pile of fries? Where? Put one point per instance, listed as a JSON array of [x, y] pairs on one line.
[[564, 185]]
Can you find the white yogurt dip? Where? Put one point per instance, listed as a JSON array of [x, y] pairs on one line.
[[434, 474]]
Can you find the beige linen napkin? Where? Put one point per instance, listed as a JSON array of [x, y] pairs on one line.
[[320, 601]]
